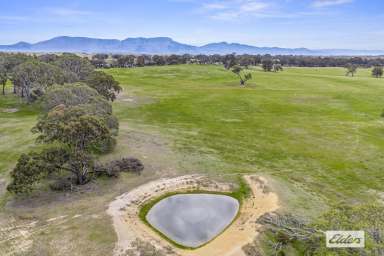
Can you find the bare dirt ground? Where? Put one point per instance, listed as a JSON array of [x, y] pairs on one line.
[[16, 237], [129, 228], [10, 110], [50, 223]]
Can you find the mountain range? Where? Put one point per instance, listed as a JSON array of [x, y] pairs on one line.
[[165, 45]]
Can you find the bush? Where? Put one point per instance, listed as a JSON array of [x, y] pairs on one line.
[[377, 71], [63, 184], [143, 248], [287, 232], [105, 146], [114, 167]]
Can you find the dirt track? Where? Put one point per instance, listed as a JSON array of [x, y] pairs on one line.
[[125, 208]]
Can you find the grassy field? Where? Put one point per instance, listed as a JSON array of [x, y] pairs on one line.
[[315, 132], [313, 127], [15, 134]]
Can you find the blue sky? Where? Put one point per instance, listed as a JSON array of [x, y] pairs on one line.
[[353, 24]]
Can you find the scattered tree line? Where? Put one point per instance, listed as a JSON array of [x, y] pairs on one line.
[[76, 123], [32, 74], [377, 70], [238, 63], [127, 61]]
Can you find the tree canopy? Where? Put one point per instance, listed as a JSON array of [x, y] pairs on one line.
[[377, 71], [241, 74], [72, 127], [277, 66], [73, 95], [34, 166], [267, 64], [32, 78], [229, 61], [351, 69], [75, 67], [3, 77], [104, 84], [76, 124], [73, 136]]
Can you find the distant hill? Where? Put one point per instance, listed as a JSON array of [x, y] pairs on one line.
[[163, 45], [225, 48]]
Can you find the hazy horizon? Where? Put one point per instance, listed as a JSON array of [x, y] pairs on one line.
[[312, 24], [197, 45]]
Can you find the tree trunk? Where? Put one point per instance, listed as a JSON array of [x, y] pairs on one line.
[[81, 174], [81, 178], [3, 89], [80, 167]]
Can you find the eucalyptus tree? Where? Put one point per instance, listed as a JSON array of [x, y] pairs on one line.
[[48, 58], [74, 67], [229, 61], [104, 84], [78, 132], [277, 67], [69, 139], [246, 60], [377, 71], [11, 60], [158, 60], [81, 99], [32, 78], [140, 61], [99, 60], [351, 69], [241, 74], [77, 124], [35, 166], [173, 59], [126, 61], [3, 77], [267, 64]]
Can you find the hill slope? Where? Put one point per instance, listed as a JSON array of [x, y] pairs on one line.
[[163, 45]]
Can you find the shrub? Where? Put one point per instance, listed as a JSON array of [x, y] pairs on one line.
[[63, 184], [377, 71], [267, 64], [114, 167]]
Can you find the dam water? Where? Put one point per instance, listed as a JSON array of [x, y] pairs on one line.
[[192, 220]]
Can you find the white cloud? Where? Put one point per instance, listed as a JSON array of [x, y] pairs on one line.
[[253, 6], [325, 3], [215, 6], [51, 15], [65, 12], [234, 9]]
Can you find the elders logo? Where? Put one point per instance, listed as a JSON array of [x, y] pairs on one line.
[[345, 239]]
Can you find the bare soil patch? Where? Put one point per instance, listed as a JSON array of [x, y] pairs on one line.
[[10, 110], [129, 228]]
